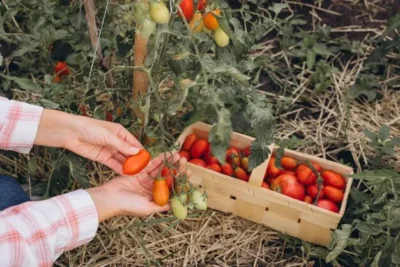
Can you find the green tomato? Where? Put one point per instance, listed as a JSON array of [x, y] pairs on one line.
[[221, 38], [159, 13], [178, 209], [198, 199], [148, 28]]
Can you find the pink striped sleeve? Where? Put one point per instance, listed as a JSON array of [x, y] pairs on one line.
[[36, 233], [19, 123]]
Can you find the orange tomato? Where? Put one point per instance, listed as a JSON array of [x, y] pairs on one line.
[[57, 79], [245, 163], [272, 170], [334, 194], [214, 167], [211, 22], [189, 141], [199, 148], [160, 192], [136, 163], [265, 185], [233, 156], [287, 172], [61, 68], [198, 162], [312, 191], [184, 154], [308, 199], [241, 174], [305, 175], [227, 169], [334, 179], [288, 163]]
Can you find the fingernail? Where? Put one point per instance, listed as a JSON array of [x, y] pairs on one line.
[[134, 150]]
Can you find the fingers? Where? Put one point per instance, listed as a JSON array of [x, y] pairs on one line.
[[154, 208], [129, 138], [114, 141], [156, 164], [114, 164]]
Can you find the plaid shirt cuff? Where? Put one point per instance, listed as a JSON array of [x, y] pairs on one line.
[[36, 233], [19, 123]]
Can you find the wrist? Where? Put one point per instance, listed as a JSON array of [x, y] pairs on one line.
[[54, 128], [104, 201]]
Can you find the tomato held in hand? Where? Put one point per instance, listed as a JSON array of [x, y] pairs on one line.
[[184, 154], [211, 22], [272, 170], [167, 171], [227, 169], [214, 167], [334, 194], [288, 163], [61, 69], [334, 179], [189, 141], [199, 148], [136, 163], [198, 162], [328, 205], [160, 192], [187, 9], [241, 174], [305, 175], [178, 208]]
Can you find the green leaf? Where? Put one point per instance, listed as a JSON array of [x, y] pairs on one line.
[[375, 175], [77, 171], [277, 8], [369, 228], [99, 113], [232, 72], [321, 49], [340, 240], [384, 132], [375, 263], [32, 166], [319, 252], [278, 157], [49, 104], [199, 115], [310, 59], [179, 97], [220, 135], [23, 83], [258, 154], [370, 135], [393, 24]]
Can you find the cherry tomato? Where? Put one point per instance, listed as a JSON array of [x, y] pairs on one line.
[[160, 192], [334, 194], [312, 191], [288, 163], [246, 151], [178, 208], [196, 24], [210, 159], [199, 148], [187, 9], [189, 141], [201, 5], [136, 163], [227, 169], [272, 170], [334, 179], [233, 156], [265, 185], [305, 175], [328, 205], [184, 154], [308, 199], [215, 167], [167, 171], [211, 22], [245, 163], [221, 38], [61, 68], [198, 162], [241, 174], [159, 12]]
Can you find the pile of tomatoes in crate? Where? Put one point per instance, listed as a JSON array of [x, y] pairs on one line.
[[297, 180], [197, 151]]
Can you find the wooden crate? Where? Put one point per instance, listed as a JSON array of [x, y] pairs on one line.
[[254, 203]]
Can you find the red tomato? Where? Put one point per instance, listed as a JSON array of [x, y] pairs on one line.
[[246, 151], [328, 205], [189, 141], [167, 171], [272, 170], [288, 163], [168, 178], [184, 154], [109, 116], [57, 79], [308, 199], [312, 191], [334, 194], [233, 156], [265, 185], [201, 5], [241, 174], [61, 68], [136, 163], [276, 183], [286, 172], [215, 167], [305, 175], [160, 192], [198, 162], [187, 9], [227, 169], [294, 190], [334, 179], [317, 167], [245, 163], [210, 159], [199, 148]]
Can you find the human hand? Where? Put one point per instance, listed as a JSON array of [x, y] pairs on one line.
[[106, 142], [133, 195]]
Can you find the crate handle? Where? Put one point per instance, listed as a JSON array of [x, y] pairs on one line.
[[258, 173]]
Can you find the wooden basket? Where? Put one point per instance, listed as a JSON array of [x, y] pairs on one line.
[[254, 203]]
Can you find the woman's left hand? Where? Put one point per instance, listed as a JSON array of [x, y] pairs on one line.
[[106, 142]]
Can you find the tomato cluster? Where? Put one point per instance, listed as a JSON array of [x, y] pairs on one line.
[[197, 151], [299, 181], [61, 69]]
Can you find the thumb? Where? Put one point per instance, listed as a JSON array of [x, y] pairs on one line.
[[120, 145]]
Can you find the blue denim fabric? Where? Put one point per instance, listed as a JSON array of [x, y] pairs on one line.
[[11, 193]]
